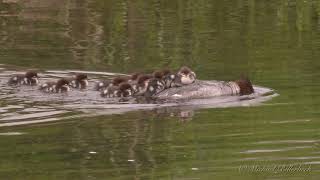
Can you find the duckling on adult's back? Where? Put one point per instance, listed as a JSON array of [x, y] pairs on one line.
[[185, 76]]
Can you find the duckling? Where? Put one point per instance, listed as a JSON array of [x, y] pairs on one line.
[[155, 86], [79, 81], [60, 86], [184, 76], [102, 85], [123, 90], [142, 84], [133, 81], [168, 78], [29, 78], [158, 74], [158, 82]]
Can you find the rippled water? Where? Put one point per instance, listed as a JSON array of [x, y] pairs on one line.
[[35, 106], [275, 43]]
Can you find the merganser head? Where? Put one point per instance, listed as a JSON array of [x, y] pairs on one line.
[[185, 76], [245, 86]]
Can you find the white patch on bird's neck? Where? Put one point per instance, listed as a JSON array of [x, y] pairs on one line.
[[67, 87], [151, 88], [35, 80], [86, 83], [25, 80], [105, 92], [129, 92], [73, 84], [186, 80]]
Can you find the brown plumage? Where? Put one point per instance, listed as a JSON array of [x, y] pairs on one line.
[[61, 82], [135, 76], [142, 79], [166, 72], [29, 78], [116, 81], [245, 86], [31, 74], [123, 90], [157, 74], [185, 70], [62, 85], [78, 81], [124, 86], [80, 77]]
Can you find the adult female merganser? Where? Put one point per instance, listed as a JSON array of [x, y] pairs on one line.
[[207, 89]]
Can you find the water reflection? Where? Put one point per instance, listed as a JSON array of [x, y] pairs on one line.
[[124, 36]]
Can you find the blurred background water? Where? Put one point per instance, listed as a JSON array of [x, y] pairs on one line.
[[276, 43]]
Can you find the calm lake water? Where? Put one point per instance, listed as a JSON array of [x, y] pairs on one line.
[[276, 43]]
